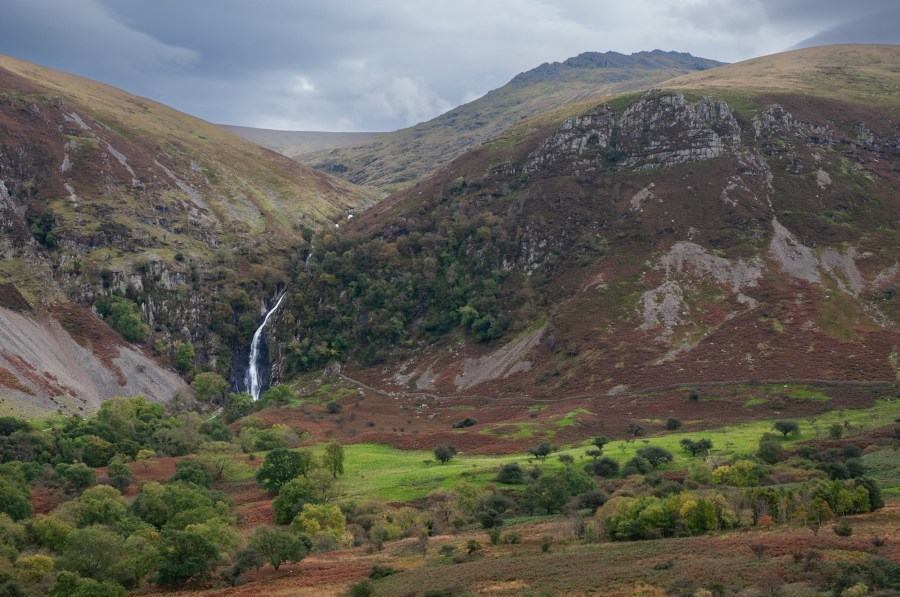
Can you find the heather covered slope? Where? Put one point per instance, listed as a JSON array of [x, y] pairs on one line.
[[394, 160], [103, 194], [653, 239]]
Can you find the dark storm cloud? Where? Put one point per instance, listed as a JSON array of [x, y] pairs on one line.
[[352, 65]]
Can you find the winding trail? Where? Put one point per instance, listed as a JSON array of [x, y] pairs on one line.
[[619, 393]]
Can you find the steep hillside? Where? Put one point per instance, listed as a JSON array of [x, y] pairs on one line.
[[658, 239], [394, 160], [171, 228]]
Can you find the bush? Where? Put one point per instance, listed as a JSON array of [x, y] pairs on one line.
[[636, 466], [605, 467], [672, 424], [467, 422], [843, 529], [379, 572], [363, 588], [836, 431], [770, 451], [278, 546], [511, 474]]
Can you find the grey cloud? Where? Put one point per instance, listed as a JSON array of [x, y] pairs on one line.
[[879, 28], [351, 65]]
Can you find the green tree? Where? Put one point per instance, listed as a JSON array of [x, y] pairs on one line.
[[15, 498], [193, 470], [91, 551], [76, 477], [185, 555], [549, 493], [99, 505], [817, 514], [279, 467], [209, 386], [125, 317], [333, 458], [120, 476], [542, 450], [604, 467], [696, 447], [511, 474], [278, 546], [786, 428], [600, 441], [770, 450], [655, 455], [51, 532], [444, 453], [239, 405], [184, 356], [279, 394], [315, 518], [293, 495]]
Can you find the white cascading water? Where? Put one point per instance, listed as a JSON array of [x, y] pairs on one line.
[[252, 380]]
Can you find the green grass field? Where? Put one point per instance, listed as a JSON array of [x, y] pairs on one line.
[[391, 474]]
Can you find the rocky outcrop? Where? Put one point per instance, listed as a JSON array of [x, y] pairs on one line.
[[657, 131]]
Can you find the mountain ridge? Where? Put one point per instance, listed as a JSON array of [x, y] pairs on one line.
[[661, 235], [393, 160]]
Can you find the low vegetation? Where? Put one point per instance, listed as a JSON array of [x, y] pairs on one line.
[[108, 535]]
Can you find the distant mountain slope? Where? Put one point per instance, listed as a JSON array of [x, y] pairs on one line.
[[295, 143], [739, 224], [393, 160], [170, 227]]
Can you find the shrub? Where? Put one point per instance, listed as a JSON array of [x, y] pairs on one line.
[[467, 422], [672, 423], [843, 529], [278, 546], [379, 572], [836, 431], [605, 467], [636, 466], [770, 451], [363, 588], [511, 474]]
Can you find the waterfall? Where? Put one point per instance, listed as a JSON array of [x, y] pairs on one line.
[[252, 380]]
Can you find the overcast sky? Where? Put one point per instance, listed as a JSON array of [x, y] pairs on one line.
[[373, 65]]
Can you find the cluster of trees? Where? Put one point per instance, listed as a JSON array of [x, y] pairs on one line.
[[97, 542], [683, 512], [443, 269]]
